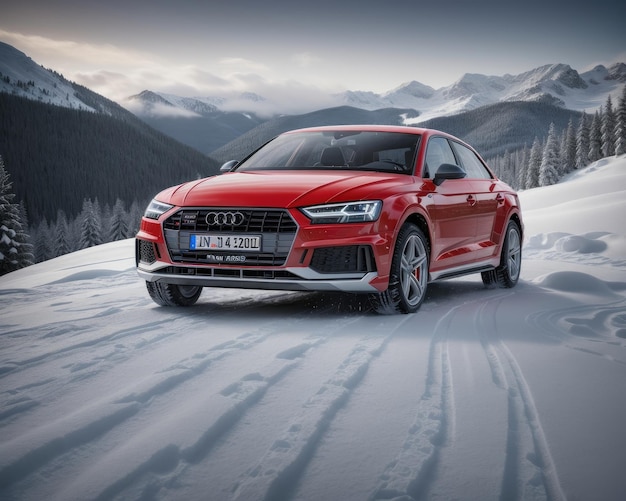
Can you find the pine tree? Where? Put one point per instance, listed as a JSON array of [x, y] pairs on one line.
[[90, 225], [549, 170], [61, 235], [106, 215], [522, 171], [15, 251], [620, 125], [568, 149], [42, 238], [582, 142], [607, 128], [26, 254], [595, 139], [534, 164], [134, 218], [119, 225]]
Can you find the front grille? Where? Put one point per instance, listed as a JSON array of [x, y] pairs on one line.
[[347, 259], [254, 221], [276, 228]]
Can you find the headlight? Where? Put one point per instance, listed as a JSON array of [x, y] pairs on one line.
[[156, 209], [352, 212]]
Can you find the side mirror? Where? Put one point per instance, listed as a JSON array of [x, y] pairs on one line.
[[448, 171], [229, 166]]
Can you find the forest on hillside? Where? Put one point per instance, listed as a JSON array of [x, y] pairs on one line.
[[581, 142], [58, 156]]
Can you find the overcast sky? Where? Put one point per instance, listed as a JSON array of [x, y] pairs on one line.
[[293, 48]]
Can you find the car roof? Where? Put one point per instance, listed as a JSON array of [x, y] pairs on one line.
[[373, 128]]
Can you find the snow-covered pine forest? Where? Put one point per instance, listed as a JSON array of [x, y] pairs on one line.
[[548, 159], [94, 225]]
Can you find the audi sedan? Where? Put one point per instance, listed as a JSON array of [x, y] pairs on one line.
[[378, 210]]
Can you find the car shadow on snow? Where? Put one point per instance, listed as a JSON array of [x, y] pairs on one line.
[[265, 304], [548, 311]]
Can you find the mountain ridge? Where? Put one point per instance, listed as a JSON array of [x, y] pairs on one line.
[[557, 84]]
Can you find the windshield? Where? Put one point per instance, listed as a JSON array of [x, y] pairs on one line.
[[356, 150]]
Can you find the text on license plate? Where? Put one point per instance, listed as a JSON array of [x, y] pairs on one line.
[[224, 242]]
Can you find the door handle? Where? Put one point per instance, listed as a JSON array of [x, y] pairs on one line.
[[471, 200]]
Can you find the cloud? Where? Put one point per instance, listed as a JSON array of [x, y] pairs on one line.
[[118, 73], [157, 109], [68, 52], [288, 97], [305, 59], [241, 64]]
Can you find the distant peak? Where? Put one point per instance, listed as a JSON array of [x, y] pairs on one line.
[[147, 96], [415, 89]]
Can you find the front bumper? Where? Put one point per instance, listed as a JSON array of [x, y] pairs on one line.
[[294, 279], [295, 256]]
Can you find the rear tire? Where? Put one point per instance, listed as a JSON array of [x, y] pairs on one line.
[[173, 295], [408, 278], [507, 274]]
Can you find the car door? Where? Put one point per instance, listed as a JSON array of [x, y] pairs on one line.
[[487, 200], [452, 210]]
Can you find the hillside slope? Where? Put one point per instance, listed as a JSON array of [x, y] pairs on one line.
[[58, 156]]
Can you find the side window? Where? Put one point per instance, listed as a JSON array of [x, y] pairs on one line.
[[438, 152], [471, 163]]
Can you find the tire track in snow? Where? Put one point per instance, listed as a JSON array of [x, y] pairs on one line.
[[88, 425], [408, 475], [18, 458], [149, 453], [79, 346], [72, 347], [186, 447], [278, 471], [529, 470]]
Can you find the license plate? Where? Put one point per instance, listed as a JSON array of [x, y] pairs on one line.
[[225, 242]]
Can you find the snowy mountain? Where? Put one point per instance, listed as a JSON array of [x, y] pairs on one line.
[[21, 76], [150, 103], [197, 122], [484, 394], [556, 84]]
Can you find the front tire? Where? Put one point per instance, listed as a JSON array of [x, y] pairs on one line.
[[507, 274], [408, 278], [173, 295]]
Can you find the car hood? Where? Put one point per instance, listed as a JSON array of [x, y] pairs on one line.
[[283, 189]]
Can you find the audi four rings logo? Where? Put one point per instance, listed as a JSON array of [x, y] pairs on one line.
[[225, 218]]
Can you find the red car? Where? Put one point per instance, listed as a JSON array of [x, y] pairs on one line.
[[381, 210]]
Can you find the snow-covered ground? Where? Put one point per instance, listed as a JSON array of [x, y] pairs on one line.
[[250, 395]]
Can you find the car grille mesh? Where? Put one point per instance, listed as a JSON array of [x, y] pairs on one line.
[[276, 227], [145, 251], [346, 259]]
